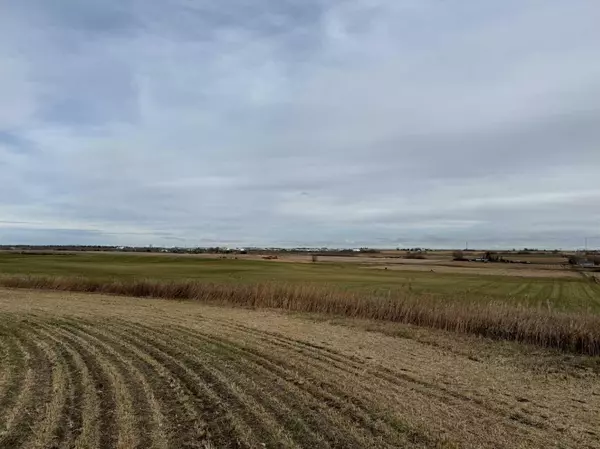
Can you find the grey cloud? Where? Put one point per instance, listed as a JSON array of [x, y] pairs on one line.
[[300, 123]]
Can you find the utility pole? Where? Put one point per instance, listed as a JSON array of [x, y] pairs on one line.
[[586, 239]]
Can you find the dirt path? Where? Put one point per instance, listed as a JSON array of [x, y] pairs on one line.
[[97, 371]]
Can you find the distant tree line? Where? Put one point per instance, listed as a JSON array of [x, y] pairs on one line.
[[185, 250]]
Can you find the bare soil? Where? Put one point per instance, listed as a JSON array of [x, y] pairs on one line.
[[477, 269]]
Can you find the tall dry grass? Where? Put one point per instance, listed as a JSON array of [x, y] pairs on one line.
[[574, 332]]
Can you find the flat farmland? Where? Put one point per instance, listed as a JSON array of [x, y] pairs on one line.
[[95, 371], [560, 289]]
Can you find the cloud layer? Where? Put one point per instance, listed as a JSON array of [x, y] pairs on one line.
[[300, 122]]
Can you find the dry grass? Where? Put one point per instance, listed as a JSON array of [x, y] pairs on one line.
[[545, 327], [106, 372]]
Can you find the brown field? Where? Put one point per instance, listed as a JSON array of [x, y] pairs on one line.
[[92, 371], [484, 269], [539, 266]]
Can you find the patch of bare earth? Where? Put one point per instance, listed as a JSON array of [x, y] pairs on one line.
[[475, 269], [97, 371]]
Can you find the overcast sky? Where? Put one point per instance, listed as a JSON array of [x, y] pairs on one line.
[[300, 122]]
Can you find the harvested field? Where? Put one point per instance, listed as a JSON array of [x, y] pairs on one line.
[[520, 284], [475, 269], [98, 371]]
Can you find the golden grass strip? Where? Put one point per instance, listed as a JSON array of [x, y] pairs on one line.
[[546, 327]]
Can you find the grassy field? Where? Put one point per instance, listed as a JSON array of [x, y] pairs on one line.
[[563, 293], [320, 355], [93, 371]]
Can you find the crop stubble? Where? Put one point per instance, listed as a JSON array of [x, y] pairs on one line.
[[91, 371]]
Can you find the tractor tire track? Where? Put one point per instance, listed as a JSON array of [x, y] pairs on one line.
[[260, 371], [191, 391], [26, 407], [174, 419], [217, 394], [121, 408], [322, 360], [46, 433], [13, 365], [326, 360], [135, 394], [71, 423], [103, 431], [311, 392]]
